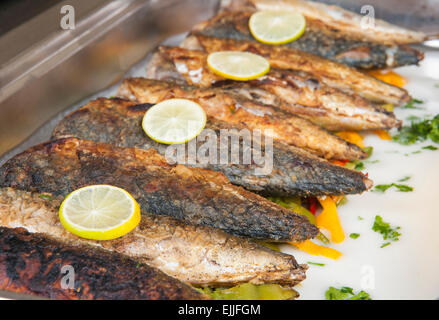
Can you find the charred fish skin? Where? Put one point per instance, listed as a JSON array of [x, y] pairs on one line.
[[333, 74], [336, 19], [197, 255], [236, 109], [295, 172], [32, 264], [319, 40], [292, 91], [196, 196]]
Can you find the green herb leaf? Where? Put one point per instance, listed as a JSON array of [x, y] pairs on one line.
[[411, 104], [316, 264], [419, 131], [400, 187], [384, 228], [430, 148], [354, 235], [345, 293], [360, 218], [368, 150], [406, 178]]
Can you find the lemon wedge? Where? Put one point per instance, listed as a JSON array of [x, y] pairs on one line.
[[276, 27], [237, 65], [99, 212], [174, 121]]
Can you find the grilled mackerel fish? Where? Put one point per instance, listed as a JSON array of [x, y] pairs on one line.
[[195, 196], [294, 173], [295, 92], [333, 74], [197, 255], [335, 19], [320, 40], [31, 263], [236, 109]]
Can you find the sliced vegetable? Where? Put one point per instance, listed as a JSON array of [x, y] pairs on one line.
[[329, 220], [383, 134], [316, 264], [346, 293], [352, 137], [248, 291], [316, 250], [389, 77]]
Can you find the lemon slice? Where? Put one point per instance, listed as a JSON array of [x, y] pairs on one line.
[[237, 65], [174, 121], [276, 27], [99, 212]]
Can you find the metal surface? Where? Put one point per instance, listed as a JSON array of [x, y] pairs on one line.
[[69, 66]]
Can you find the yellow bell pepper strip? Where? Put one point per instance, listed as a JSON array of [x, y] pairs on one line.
[[316, 250], [388, 107], [352, 137], [383, 134], [389, 77], [329, 220]]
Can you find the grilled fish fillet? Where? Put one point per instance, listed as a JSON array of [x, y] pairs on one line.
[[32, 264], [336, 19], [331, 73], [195, 196], [296, 92], [318, 39], [236, 109], [295, 172], [197, 255]]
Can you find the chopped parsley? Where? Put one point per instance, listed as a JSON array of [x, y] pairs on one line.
[[388, 232], [411, 104], [430, 148], [46, 196], [354, 235], [345, 293], [400, 187], [360, 218], [316, 264], [406, 178], [419, 131]]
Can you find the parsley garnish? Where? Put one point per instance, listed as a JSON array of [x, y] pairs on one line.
[[386, 230], [406, 178], [430, 148], [411, 104], [346, 293], [316, 264], [354, 235], [419, 131], [360, 218], [400, 187]]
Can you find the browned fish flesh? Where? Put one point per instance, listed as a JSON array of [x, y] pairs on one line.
[[334, 44], [331, 73], [295, 92], [196, 196], [235, 109], [32, 264], [294, 171], [197, 255]]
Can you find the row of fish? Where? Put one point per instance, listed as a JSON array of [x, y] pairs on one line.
[[198, 218]]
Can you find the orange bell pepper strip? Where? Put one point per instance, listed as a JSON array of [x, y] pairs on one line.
[[389, 77], [329, 220], [316, 250], [383, 134], [352, 137]]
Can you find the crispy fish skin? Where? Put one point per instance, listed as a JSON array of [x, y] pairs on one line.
[[319, 40], [295, 172], [331, 73], [32, 264], [196, 255], [338, 20], [296, 92], [195, 196], [235, 109]]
